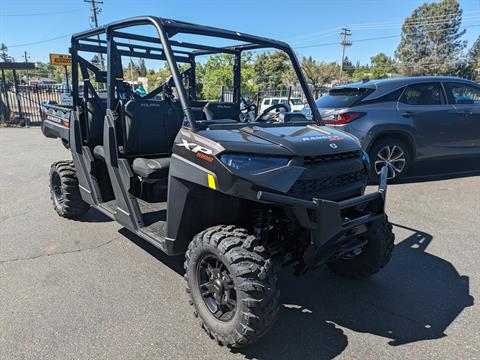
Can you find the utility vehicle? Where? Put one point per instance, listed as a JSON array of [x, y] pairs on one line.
[[239, 198]]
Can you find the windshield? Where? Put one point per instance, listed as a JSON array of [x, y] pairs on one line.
[[342, 97], [296, 101]]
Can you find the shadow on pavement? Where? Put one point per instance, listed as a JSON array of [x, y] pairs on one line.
[[442, 169], [175, 263], [416, 297]]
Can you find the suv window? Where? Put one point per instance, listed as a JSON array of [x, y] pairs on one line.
[[390, 97], [423, 94], [342, 97], [464, 93], [266, 102], [275, 101]]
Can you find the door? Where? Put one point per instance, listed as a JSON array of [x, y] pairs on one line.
[[466, 101], [424, 107]]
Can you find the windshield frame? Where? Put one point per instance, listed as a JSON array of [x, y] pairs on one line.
[[166, 30]]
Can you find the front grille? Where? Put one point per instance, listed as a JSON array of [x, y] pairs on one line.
[[311, 160], [309, 186]]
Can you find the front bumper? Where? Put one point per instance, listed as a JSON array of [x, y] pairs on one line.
[[333, 225]]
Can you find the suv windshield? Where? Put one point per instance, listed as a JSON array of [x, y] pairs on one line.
[[342, 97]]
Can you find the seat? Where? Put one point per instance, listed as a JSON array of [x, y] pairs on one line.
[[95, 110], [156, 168], [222, 110], [149, 130]]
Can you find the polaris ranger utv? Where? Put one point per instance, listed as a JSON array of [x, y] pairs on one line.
[[240, 193]]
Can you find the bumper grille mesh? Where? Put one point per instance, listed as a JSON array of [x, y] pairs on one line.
[[312, 160], [308, 186]]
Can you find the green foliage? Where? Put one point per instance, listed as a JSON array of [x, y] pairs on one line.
[[431, 39], [382, 67], [216, 73], [319, 74], [473, 59], [273, 70], [4, 53], [142, 69]]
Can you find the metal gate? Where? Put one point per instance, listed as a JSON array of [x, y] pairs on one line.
[[22, 104]]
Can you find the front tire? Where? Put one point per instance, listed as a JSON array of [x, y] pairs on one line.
[[232, 285], [374, 256], [64, 190], [391, 152]]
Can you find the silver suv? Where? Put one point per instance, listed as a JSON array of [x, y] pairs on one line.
[[402, 120]]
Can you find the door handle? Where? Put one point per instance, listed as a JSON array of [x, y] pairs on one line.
[[408, 114]]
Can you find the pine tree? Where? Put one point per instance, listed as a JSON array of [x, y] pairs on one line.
[[431, 41], [473, 59]]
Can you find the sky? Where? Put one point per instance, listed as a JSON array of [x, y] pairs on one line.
[[311, 27]]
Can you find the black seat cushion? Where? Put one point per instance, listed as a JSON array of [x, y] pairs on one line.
[[222, 110], [150, 127], [151, 168]]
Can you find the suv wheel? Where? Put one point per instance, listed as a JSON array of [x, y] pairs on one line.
[[64, 190], [232, 285], [392, 153]]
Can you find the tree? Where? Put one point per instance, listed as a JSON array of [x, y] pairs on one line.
[[272, 70], [473, 59], [431, 39], [361, 72], [382, 66], [348, 66], [318, 74], [4, 53], [142, 69]]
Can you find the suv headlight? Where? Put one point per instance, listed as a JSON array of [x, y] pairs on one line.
[[252, 164]]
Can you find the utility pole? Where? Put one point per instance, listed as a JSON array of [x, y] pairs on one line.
[[94, 21], [345, 34], [26, 57]]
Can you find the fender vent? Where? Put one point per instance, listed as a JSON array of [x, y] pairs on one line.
[[311, 160]]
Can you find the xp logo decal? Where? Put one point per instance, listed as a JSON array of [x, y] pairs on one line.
[[333, 146], [194, 147]]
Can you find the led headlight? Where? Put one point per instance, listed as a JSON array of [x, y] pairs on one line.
[[253, 164]]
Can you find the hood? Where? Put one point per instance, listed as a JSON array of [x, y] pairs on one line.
[[310, 140]]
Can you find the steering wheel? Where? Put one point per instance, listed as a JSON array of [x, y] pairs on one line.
[[268, 110]]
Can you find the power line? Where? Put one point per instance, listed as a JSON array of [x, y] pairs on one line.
[[371, 39], [43, 14], [40, 41]]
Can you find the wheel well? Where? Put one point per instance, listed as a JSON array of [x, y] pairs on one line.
[[403, 137]]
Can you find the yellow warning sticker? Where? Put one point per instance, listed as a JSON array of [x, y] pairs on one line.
[[211, 182]]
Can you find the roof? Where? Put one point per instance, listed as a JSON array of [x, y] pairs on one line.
[[385, 86]]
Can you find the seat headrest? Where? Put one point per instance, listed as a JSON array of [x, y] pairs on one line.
[[222, 110]]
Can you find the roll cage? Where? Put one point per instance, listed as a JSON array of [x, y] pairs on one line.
[[172, 51]]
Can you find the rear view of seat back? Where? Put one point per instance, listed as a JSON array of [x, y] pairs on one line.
[[95, 116], [150, 127]]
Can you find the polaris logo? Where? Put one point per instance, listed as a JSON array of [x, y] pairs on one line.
[[333, 146], [195, 148]]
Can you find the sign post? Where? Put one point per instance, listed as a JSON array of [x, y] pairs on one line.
[[64, 60]]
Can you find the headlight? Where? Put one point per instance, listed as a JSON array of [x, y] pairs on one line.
[[252, 164]]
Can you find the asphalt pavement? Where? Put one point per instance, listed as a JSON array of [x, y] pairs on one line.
[[90, 289]]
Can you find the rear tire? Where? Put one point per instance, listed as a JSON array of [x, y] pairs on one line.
[[391, 152], [374, 256], [250, 283], [64, 190]]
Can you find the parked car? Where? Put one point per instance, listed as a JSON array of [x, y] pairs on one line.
[[296, 104], [399, 121]]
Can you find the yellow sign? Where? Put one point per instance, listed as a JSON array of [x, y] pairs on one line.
[[60, 59]]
